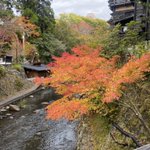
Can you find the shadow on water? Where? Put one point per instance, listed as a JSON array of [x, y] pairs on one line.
[[29, 130]]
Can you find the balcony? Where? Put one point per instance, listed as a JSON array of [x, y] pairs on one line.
[[122, 17], [115, 3]]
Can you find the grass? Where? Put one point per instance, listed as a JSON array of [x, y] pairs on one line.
[[17, 67], [18, 84]]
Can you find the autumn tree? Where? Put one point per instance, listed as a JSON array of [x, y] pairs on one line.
[[86, 85], [11, 33], [5, 41], [9, 38], [24, 24]]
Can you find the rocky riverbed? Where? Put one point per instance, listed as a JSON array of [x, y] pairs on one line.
[[29, 130]]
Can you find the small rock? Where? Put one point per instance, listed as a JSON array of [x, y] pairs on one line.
[[3, 110], [38, 133], [37, 111], [43, 88], [14, 108], [145, 147], [45, 103], [31, 96], [11, 117], [8, 114], [7, 107], [23, 117]]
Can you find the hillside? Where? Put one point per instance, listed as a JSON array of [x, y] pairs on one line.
[[12, 81]]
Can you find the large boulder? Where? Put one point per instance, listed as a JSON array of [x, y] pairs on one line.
[[145, 147]]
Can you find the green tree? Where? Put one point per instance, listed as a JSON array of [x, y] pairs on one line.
[[66, 34], [77, 30], [39, 12], [123, 44], [49, 46], [6, 12]]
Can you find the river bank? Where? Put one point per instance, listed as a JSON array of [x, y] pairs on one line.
[[12, 81]]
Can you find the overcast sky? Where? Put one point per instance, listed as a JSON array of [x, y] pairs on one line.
[[82, 7]]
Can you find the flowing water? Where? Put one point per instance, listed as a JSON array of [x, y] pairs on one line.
[[29, 130]]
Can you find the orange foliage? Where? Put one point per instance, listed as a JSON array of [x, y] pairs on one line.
[[66, 109], [82, 72], [86, 73], [129, 73], [42, 81], [27, 26]]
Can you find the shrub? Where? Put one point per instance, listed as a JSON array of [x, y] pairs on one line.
[[2, 71], [17, 67], [18, 84]]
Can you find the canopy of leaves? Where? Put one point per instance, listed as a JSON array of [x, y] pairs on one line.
[[123, 43], [6, 12], [64, 33], [80, 30], [39, 12], [11, 34], [85, 83], [49, 46]]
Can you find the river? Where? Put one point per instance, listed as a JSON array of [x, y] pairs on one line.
[[29, 130]]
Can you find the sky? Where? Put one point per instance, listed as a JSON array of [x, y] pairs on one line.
[[82, 7]]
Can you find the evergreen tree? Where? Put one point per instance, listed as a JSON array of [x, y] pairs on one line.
[[39, 12]]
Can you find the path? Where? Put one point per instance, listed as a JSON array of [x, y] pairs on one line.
[[20, 95]]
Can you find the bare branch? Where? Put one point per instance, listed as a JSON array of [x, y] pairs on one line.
[[129, 135]]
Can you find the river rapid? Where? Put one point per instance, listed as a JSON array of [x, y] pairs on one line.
[[29, 130]]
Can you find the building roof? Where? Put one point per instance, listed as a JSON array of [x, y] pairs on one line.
[[37, 68]]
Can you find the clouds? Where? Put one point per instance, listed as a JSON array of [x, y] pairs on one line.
[[82, 7]]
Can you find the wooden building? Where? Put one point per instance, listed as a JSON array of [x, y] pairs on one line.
[[124, 11], [32, 71]]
